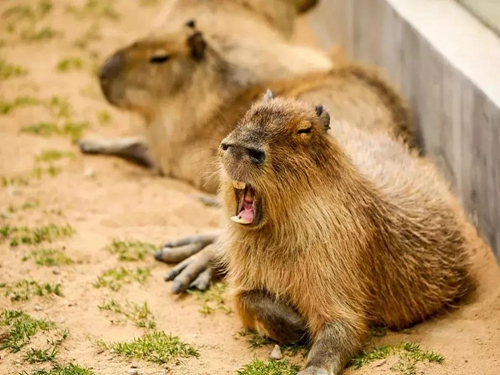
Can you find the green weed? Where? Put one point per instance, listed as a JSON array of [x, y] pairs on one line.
[[24, 12], [7, 107], [156, 347], [378, 332], [19, 12], [95, 8], [36, 235], [130, 251], [73, 130], [254, 339], [51, 170], [8, 70], [40, 355], [45, 129], [140, 316], [49, 156], [59, 107], [23, 290], [68, 64], [409, 354], [34, 34], [49, 257], [114, 279], [28, 205], [271, 367], [22, 327], [15, 181], [213, 299], [103, 117], [70, 369], [93, 34]]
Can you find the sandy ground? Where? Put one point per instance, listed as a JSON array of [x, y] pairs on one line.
[[106, 199]]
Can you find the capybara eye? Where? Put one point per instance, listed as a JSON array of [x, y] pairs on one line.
[[224, 146], [160, 59], [304, 131]]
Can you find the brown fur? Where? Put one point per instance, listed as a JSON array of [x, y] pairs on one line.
[[355, 229], [203, 69], [263, 19], [353, 93]]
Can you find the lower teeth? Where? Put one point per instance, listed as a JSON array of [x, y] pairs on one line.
[[240, 220]]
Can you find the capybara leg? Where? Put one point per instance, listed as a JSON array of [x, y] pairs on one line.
[[194, 272], [334, 346], [270, 317], [134, 150]]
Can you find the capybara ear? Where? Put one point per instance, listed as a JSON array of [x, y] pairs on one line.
[[191, 24], [197, 45], [268, 96], [324, 117]]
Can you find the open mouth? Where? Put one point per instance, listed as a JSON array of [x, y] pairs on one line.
[[246, 209]]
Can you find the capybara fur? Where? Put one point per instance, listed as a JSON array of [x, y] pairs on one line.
[[338, 227]]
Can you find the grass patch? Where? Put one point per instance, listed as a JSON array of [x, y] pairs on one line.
[[59, 107], [23, 290], [254, 339], [139, 315], [156, 347], [378, 332], [130, 251], [51, 170], [14, 181], [69, 64], [34, 34], [21, 328], [40, 355], [115, 278], [293, 349], [44, 129], [95, 9], [409, 355], [73, 130], [271, 367], [28, 205], [49, 156], [25, 12], [213, 299], [103, 117], [49, 257], [30, 16], [35, 235], [93, 34], [7, 107], [8, 70], [69, 369]]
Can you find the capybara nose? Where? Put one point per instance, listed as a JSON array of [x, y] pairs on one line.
[[111, 67], [255, 155]]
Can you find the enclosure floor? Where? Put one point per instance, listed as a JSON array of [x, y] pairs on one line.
[[105, 199]]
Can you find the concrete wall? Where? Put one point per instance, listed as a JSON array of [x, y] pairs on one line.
[[454, 97]]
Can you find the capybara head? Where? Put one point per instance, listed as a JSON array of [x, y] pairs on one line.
[[137, 76], [270, 154]]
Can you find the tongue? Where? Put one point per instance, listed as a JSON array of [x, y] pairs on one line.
[[246, 212], [246, 215]]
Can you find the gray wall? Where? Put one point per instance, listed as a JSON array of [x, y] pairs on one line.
[[458, 126]]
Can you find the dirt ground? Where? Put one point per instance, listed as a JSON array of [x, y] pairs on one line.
[[105, 199]]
